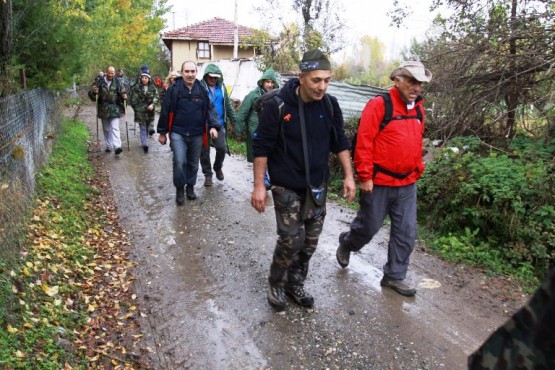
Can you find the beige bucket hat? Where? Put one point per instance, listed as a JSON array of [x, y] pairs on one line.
[[412, 68]]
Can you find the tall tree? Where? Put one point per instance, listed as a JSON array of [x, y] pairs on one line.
[[280, 53], [492, 61], [320, 26], [47, 46], [124, 33], [57, 41], [6, 41], [322, 17]]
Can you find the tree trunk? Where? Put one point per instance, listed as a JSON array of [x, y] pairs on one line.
[[512, 95], [5, 33]]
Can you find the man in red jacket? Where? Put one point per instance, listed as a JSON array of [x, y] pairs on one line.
[[388, 162]]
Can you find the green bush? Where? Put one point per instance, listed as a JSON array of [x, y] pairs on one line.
[[506, 198]]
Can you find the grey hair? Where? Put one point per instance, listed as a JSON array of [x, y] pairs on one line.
[[189, 61]]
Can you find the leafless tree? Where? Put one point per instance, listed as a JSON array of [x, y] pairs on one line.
[[493, 68]]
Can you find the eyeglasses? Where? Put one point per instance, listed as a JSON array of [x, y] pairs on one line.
[[410, 80]]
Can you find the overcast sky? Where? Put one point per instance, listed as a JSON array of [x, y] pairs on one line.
[[362, 17]]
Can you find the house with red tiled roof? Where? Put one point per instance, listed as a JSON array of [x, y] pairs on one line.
[[207, 41]]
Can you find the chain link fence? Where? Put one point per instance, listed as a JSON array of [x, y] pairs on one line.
[[28, 123]]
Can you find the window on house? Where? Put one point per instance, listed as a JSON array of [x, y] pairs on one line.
[[203, 50]]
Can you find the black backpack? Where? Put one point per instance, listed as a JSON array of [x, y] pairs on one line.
[[259, 103], [387, 117]]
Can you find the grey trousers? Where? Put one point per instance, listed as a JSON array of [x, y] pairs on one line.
[[400, 204], [221, 145]]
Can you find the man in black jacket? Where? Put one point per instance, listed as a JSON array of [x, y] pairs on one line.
[[278, 145], [184, 116]]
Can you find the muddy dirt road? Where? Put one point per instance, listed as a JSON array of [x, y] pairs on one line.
[[201, 283]]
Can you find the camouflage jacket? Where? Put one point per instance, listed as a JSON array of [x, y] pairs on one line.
[[140, 100], [527, 339], [110, 102]]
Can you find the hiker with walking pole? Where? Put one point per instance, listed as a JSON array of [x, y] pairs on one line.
[[110, 95], [126, 127], [143, 98], [97, 143]]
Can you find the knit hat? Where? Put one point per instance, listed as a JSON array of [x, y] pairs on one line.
[[145, 74], [314, 60], [144, 69], [412, 69]]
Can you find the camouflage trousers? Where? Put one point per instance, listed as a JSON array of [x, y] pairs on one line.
[[527, 339], [297, 239]]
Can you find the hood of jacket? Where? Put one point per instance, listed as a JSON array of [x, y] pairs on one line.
[[212, 68], [288, 92], [269, 74]]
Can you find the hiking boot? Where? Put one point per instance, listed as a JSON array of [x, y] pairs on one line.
[[300, 296], [118, 151], [190, 192], [219, 175], [145, 148], [179, 196], [399, 286], [151, 131], [343, 253], [276, 297], [108, 150], [208, 181]]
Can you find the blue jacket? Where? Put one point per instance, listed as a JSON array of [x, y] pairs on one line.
[[224, 108], [192, 110]]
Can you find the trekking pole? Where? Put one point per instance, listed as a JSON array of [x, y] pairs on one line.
[[97, 140], [126, 129]]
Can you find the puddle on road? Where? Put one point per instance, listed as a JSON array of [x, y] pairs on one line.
[[207, 263]]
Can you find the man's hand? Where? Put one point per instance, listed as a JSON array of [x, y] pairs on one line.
[[95, 89], [162, 139], [259, 192], [150, 107], [259, 198], [349, 188], [213, 133], [367, 186]]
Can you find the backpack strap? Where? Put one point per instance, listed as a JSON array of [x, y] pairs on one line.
[[330, 106], [174, 91], [280, 104], [388, 116], [419, 113], [388, 110]]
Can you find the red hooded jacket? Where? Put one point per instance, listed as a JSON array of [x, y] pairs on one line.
[[396, 148]]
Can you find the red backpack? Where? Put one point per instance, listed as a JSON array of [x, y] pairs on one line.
[[158, 81]]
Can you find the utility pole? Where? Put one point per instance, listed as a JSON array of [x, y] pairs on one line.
[[236, 34]]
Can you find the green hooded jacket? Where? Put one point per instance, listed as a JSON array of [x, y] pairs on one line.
[[228, 111], [246, 116]]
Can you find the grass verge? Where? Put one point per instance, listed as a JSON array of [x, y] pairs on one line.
[[67, 301]]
